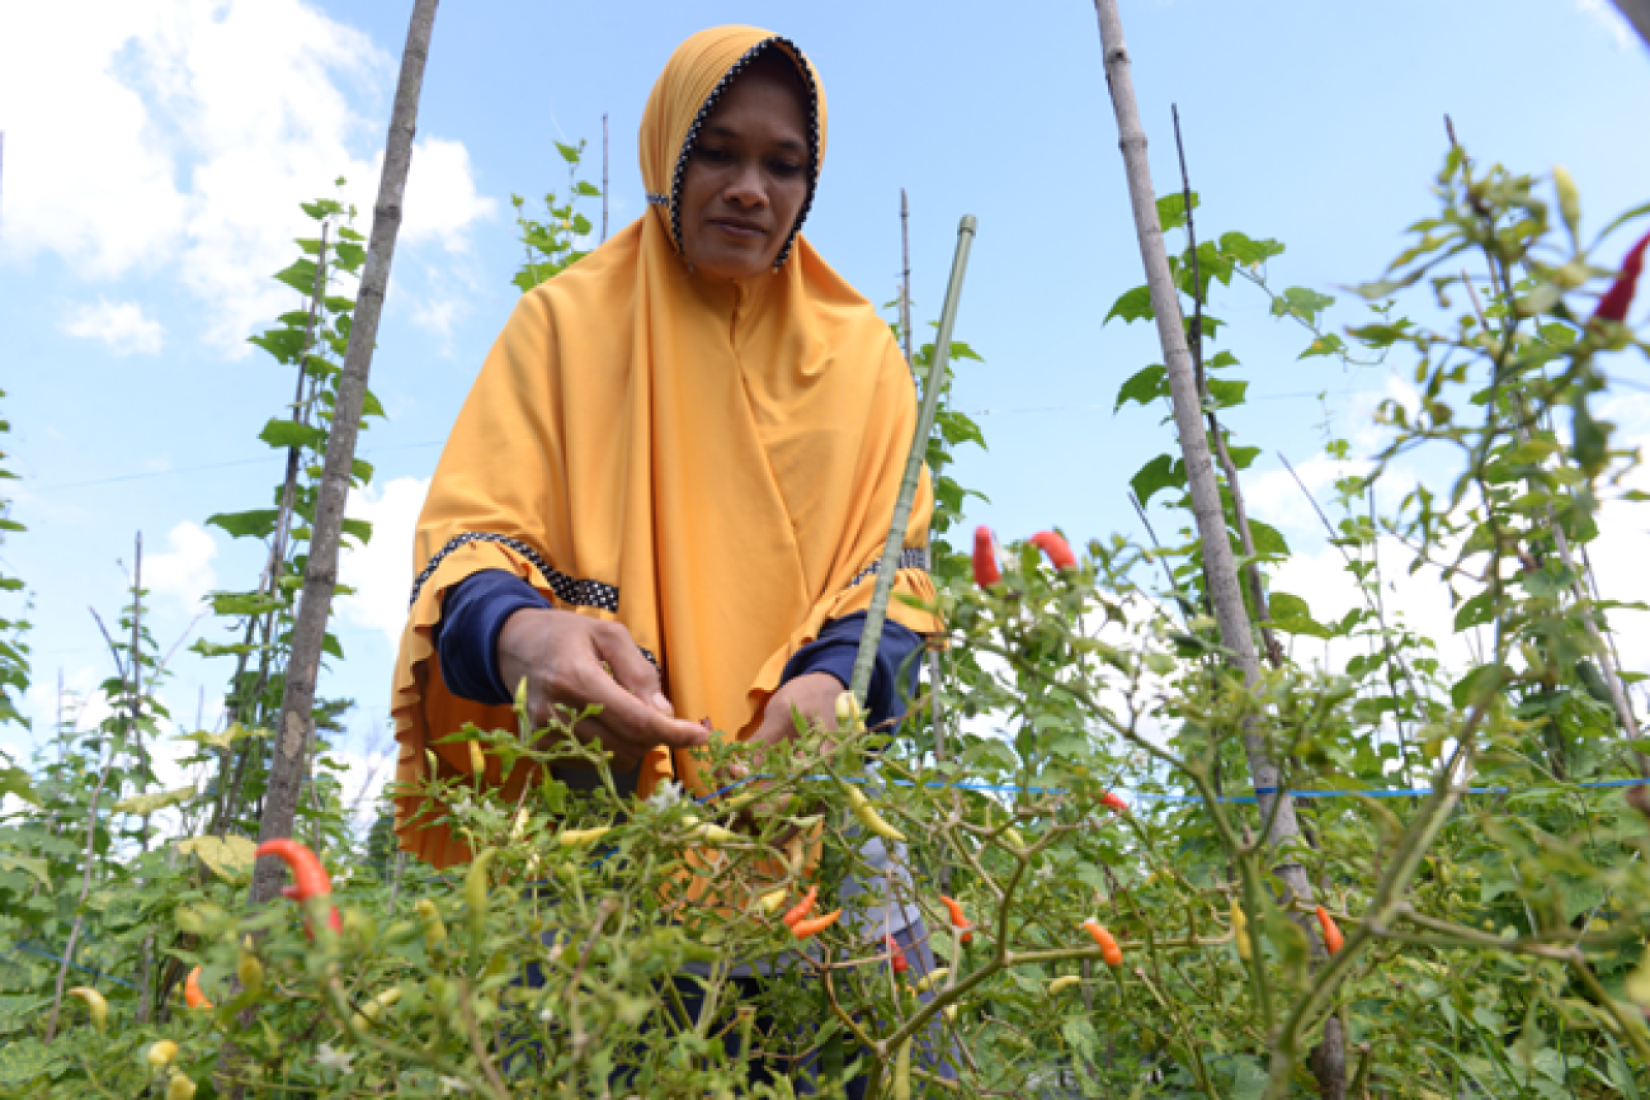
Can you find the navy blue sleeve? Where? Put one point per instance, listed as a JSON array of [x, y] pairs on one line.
[[834, 651], [466, 637]]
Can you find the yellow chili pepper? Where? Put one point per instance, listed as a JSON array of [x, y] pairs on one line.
[[1240, 932], [162, 1052], [902, 1072], [96, 1006], [932, 978], [180, 1088], [370, 1011], [773, 899], [476, 901], [577, 838], [868, 815], [1060, 985], [478, 761], [435, 932]]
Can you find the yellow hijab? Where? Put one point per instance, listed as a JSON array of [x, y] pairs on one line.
[[712, 464]]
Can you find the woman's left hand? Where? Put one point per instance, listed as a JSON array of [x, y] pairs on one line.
[[814, 695]]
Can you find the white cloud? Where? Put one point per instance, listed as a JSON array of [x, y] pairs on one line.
[[441, 203], [1603, 14], [180, 135], [381, 572], [184, 571], [121, 325]]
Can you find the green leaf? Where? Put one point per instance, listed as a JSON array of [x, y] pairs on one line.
[[1171, 209], [568, 153], [290, 433], [1249, 252], [360, 529], [590, 189], [1476, 686], [300, 277], [1134, 305], [144, 804], [1291, 615], [35, 866], [1145, 387], [226, 856], [1161, 472], [257, 524], [15, 781]]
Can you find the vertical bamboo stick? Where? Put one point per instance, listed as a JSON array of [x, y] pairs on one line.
[[1219, 564], [889, 563], [321, 576]]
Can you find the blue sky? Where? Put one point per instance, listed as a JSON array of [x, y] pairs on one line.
[[155, 154]]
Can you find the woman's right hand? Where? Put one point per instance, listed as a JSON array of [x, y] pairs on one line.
[[560, 655]]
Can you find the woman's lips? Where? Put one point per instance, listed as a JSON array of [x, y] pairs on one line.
[[742, 232]]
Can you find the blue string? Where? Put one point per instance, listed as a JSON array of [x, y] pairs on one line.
[[1010, 788], [77, 966]]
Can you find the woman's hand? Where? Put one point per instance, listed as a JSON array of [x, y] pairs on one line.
[[814, 695], [561, 654]]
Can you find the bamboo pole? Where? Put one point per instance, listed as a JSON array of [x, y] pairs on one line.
[[889, 564], [1276, 806], [321, 576]]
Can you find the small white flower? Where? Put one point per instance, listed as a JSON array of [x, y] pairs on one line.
[[666, 795], [546, 1016], [334, 1059], [453, 1084]]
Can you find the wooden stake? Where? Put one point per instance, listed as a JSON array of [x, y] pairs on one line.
[[321, 576]]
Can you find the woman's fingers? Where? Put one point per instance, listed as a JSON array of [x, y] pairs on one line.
[[627, 724], [634, 672]]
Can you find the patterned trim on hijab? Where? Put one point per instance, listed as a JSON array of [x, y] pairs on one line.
[[912, 557], [571, 590], [709, 105]]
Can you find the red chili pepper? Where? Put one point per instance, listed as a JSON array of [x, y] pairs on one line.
[[959, 919], [1114, 801], [896, 955], [1614, 305], [1332, 938], [1056, 547], [192, 995], [801, 908], [802, 929], [310, 878], [986, 570], [1109, 951]]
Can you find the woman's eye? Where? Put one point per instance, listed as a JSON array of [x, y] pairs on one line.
[[712, 156], [785, 169]]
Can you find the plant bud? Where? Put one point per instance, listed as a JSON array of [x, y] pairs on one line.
[[1569, 199]]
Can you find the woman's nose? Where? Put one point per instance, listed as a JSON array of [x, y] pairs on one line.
[[746, 188]]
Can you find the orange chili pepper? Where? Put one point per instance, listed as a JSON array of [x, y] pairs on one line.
[[1056, 547], [896, 955], [192, 995], [1332, 938], [959, 919], [1114, 801], [1109, 951], [310, 878], [986, 570], [802, 929], [801, 908]]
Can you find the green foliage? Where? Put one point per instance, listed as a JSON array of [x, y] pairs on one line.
[[14, 648], [1494, 942], [552, 245]]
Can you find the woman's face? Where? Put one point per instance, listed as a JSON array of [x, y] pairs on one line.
[[746, 178]]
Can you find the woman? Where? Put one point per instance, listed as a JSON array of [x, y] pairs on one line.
[[668, 490]]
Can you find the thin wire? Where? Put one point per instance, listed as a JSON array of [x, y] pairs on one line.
[[1151, 796]]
